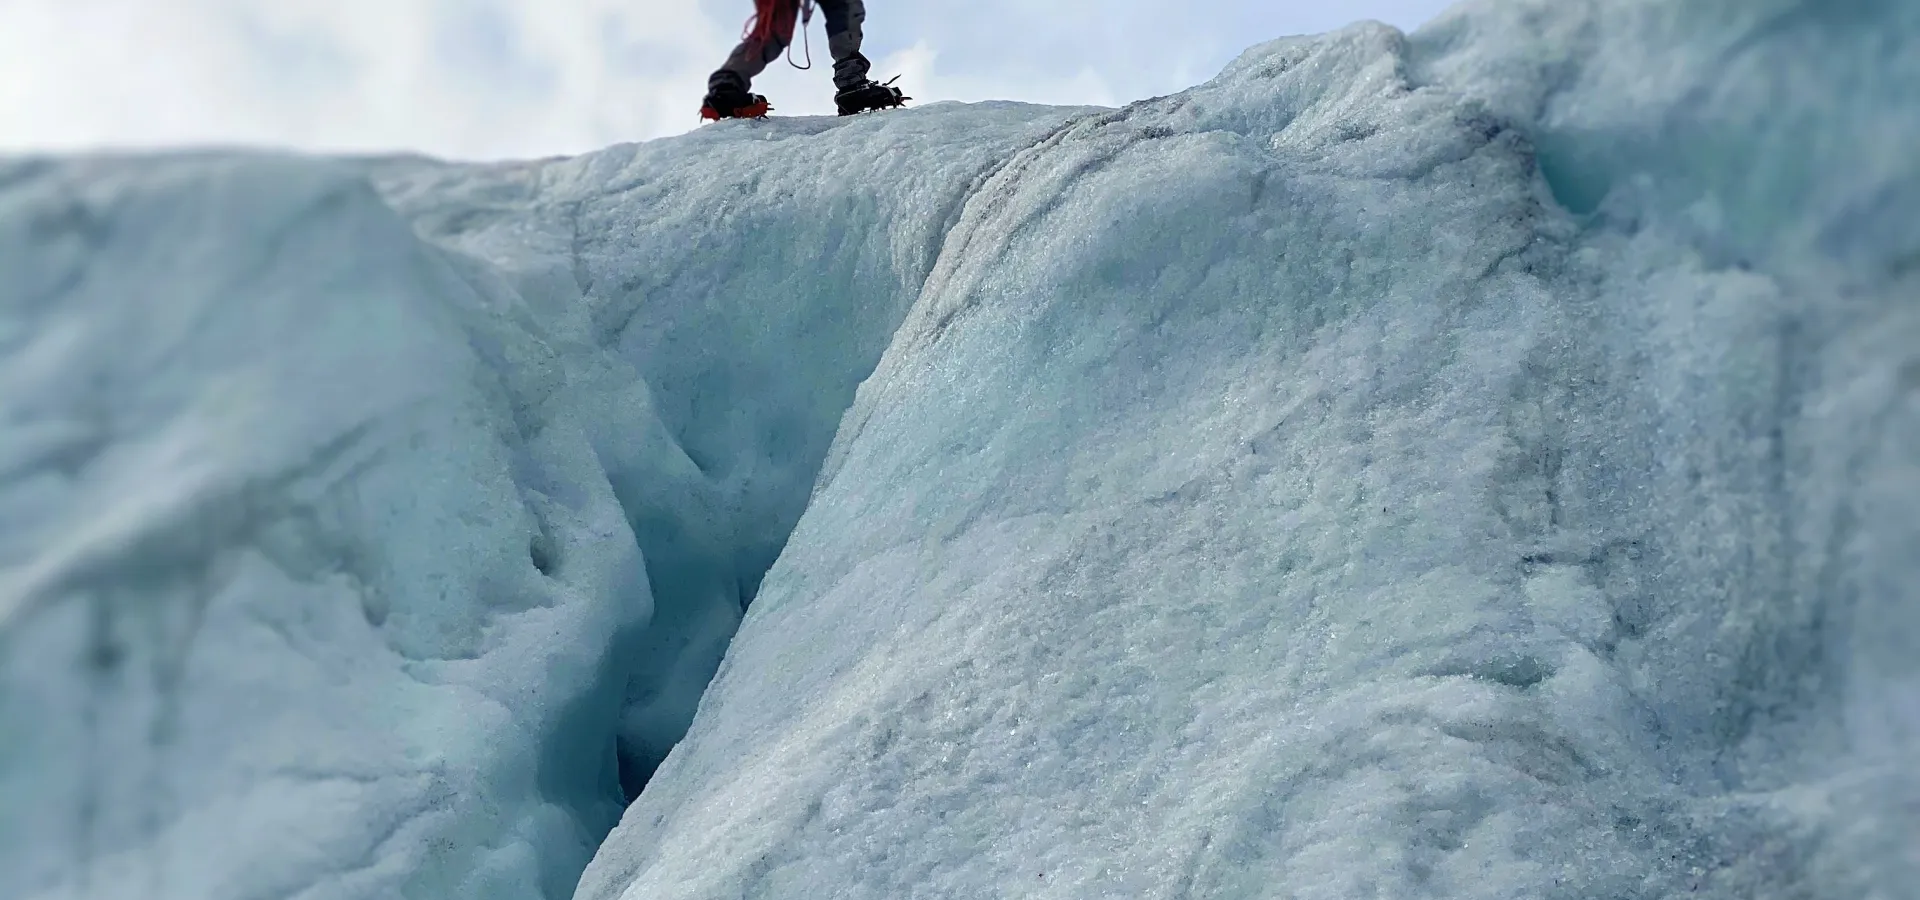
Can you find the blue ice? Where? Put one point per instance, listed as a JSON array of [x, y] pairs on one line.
[[1469, 464]]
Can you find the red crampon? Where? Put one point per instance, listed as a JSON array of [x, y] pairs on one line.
[[773, 20], [754, 110]]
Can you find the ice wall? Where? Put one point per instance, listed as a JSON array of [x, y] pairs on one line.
[[370, 528], [1472, 465], [308, 558]]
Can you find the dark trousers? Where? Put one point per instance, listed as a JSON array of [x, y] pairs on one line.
[[844, 18]]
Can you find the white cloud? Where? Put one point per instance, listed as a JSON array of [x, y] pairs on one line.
[[468, 79], [510, 78]]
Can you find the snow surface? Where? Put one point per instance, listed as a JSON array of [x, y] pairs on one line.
[[1473, 464]]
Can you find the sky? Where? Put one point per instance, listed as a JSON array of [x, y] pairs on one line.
[[494, 79]]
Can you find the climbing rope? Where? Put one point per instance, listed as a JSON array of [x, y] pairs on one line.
[[806, 16], [768, 19]]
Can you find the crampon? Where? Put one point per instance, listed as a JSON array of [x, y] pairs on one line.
[[870, 96], [746, 106]]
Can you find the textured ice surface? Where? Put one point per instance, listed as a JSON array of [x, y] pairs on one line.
[[1473, 465], [309, 559], [1478, 464], [337, 563]]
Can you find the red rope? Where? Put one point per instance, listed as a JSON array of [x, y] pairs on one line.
[[760, 24], [773, 18]]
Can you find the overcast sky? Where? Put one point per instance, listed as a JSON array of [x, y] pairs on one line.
[[517, 78]]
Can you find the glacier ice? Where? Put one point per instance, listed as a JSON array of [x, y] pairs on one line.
[[1400, 467], [379, 563], [1474, 463], [275, 620]]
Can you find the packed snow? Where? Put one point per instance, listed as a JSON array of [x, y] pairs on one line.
[[1469, 464]]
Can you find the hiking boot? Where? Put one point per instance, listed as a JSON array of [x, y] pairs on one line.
[[868, 95], [729, 102]]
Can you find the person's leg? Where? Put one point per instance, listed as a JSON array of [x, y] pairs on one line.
[[844, 20], [757, 50]]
